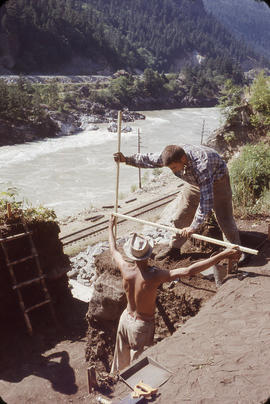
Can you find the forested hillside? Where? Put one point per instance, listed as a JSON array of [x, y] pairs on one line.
[[246, 19], [99, 36]]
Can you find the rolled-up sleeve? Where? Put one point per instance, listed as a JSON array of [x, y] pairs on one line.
[[205, 205], [147, 160]]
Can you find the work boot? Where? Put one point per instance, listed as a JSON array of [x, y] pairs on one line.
[[168, 251]]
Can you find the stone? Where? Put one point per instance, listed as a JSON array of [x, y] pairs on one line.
[[108, 299]]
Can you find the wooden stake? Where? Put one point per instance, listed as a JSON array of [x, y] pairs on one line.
[[9, 213], [92, 380], [139, 151], [118, 165], [197, 236]]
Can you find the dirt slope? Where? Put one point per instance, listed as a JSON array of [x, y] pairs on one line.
[[222, 355]]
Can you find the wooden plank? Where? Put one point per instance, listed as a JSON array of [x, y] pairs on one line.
[[196, 236], [38, 305], [26, 283], [15, 237], [21, 260]]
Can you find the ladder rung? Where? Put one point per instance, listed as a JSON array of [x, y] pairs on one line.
[[22, 260], [37, 305], [25, 283], [15, 237]]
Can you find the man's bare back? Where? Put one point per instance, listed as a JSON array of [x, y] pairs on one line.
[[141, 286], [141, 281]]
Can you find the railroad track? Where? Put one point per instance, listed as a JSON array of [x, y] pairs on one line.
[[101, 224]]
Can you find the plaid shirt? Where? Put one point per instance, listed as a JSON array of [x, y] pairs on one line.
[[203, 168]]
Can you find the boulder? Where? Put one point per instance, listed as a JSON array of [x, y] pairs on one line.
[[97, 108], [112, 127], [92, 127], [108, 299], [127, 129]]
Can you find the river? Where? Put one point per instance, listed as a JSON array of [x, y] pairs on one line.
[[73, 173]]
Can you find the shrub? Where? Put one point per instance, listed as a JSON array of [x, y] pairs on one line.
[[133, 188], [22, 208], [260, 100], [157, 172], [250, 177], [229, 99], [229, 137]]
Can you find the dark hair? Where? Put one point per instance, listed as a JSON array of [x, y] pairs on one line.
[[171, 154]]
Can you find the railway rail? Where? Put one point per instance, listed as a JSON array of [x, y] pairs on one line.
[[102, 225]]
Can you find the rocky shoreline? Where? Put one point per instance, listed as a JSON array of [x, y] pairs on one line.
[[56, 124], [70, 118]]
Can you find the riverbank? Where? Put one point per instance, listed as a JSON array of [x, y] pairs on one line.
[[39, 107]]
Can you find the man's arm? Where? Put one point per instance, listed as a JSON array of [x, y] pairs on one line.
[[116, 255], [146, 160], [204, 207], [232, 253]]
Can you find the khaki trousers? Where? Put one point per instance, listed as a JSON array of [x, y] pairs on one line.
[[186, 205], [132, 336]]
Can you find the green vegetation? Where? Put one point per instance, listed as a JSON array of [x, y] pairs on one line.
[[246, 19], [133, 188], [22, 208], [23, 101], [130, 34], [195, 84], [26, 102], [229, 137], [157, 172], [260, 100], [230, 98], [250, 172], [250, 177]]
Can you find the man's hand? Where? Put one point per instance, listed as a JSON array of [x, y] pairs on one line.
[[119, 157], [187, 231], [233, 253], [112, 221]]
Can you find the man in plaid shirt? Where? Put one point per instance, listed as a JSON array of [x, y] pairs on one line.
[[206, 187]]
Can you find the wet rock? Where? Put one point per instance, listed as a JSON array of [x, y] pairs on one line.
[[98, 109], [127, 129], [112, 127], [92, 127], [67, 124]]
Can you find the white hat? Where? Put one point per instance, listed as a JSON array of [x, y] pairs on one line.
[[138, 248]]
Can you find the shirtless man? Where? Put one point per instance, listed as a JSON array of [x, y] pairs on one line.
[[136, 325]]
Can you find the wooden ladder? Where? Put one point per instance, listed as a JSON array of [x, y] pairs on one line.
[[39, 279]]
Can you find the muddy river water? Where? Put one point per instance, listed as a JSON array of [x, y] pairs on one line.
[[73, 173]]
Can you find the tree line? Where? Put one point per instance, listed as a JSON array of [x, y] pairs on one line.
[[134, 34]]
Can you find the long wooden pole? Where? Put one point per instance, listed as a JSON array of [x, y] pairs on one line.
[[119, 121], [197, 236], [139, 150]]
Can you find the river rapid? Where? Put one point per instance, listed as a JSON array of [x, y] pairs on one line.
[[72, 173]]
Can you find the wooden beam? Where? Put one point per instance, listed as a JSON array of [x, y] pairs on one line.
[[196, 236]]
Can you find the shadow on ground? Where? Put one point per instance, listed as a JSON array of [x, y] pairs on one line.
[[22, 355]]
